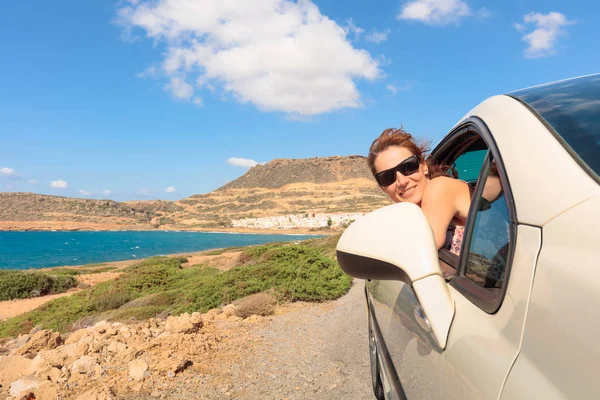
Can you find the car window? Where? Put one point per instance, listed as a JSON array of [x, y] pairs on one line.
[[572, 110], [487, 254], [468, 165]]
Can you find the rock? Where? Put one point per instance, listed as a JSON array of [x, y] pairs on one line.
[[116, 347], [42, 340], [100, 328], [28, 396], [81, 349], [21, 340], [229, 310], [13, 367], [137, 369], [104, 393], [84, 365], [46, 390], [76, 336], [185, 323], [211, 314], [23, 384], [54, 375], [112, 332]]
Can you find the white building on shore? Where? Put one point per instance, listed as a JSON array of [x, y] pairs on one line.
[[290, 221]]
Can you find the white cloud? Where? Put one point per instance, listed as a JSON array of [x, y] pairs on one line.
[[150, 72], [33, 181], [355, 30], [106, 192], [9, 172], [59, 184], [179, 88], [242, 162], [143, 192], [279, 55], [435, 12], [9, 186], [393, 89], [170, 189], [378, 37], [85, 193], [197, 101], [542, 40]]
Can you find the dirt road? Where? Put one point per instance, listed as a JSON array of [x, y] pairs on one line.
[[311, 351]]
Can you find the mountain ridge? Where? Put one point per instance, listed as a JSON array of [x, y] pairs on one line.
[[335, 184]]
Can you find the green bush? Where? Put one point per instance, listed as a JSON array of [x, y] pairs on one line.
[[161, 286], [25, 284]]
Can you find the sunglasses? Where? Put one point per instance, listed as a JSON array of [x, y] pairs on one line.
[[406, 167]]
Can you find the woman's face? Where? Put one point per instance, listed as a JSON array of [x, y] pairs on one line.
[[406, 188]]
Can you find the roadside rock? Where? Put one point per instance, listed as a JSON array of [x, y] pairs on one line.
[[23, 384], [42, 340], [137, 369], [14, 367], [185, 323], [102, 393], [84, 365]]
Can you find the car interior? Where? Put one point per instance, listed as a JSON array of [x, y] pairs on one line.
[[464, 157]]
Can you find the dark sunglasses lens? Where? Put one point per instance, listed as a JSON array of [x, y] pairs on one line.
[[386, 178], [409, 167]]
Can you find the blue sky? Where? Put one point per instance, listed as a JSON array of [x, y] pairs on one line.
[[156, 99]]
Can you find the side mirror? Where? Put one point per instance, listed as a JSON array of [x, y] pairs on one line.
[[397, 243]]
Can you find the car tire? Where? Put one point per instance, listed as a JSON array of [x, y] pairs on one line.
[[375, 367]]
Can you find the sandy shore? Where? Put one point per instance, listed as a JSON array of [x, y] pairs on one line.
[[86, 226]]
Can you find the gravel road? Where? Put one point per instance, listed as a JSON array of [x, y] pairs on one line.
[[318, 352], [308, 351]]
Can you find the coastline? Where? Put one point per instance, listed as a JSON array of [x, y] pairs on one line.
[[53, 226]]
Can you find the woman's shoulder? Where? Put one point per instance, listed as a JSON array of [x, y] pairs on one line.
[[446, 181], [445, 184]]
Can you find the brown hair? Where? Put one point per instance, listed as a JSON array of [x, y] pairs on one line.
[[399, 137]]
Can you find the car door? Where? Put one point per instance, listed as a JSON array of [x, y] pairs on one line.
[[489, 307]]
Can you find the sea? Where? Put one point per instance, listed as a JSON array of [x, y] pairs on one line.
[[25, 250]]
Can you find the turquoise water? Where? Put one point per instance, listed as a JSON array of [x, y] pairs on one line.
[[23, 250]]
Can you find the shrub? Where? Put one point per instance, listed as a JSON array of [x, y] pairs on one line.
[[110, 300], [256, 304], [25, 284], [160, 286]]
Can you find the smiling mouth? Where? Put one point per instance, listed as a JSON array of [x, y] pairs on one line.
[[407, 191]]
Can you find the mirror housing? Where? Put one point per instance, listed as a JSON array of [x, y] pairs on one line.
[[397, 243]]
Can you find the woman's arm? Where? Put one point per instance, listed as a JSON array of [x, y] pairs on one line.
[[442, 200]]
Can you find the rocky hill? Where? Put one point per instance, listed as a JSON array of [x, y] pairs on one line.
[[282, 186], [280, 172]]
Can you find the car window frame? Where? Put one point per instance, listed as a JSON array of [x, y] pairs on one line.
[[487, 300]]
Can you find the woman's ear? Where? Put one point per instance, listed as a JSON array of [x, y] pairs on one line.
[[426, 170]]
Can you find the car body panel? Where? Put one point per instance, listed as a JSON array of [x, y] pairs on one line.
[[557, 176], [560, 356], [411, 348], [483, 347]]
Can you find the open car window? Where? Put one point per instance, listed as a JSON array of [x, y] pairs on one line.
[[465, 157]]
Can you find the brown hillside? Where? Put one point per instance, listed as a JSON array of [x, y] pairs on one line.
[[330, 185], [280, 172]]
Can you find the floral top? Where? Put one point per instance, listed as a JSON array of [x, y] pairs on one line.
[[456, 241]]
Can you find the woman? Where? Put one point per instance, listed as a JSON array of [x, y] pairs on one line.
[[399, 165]]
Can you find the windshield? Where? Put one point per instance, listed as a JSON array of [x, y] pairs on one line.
[[572, 109]]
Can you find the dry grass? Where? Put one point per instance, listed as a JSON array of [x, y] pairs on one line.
[[256, 304]]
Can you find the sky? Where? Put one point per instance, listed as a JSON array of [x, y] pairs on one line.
[[163, 99]]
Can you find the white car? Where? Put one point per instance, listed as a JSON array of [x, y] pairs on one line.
[[517, 314]]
